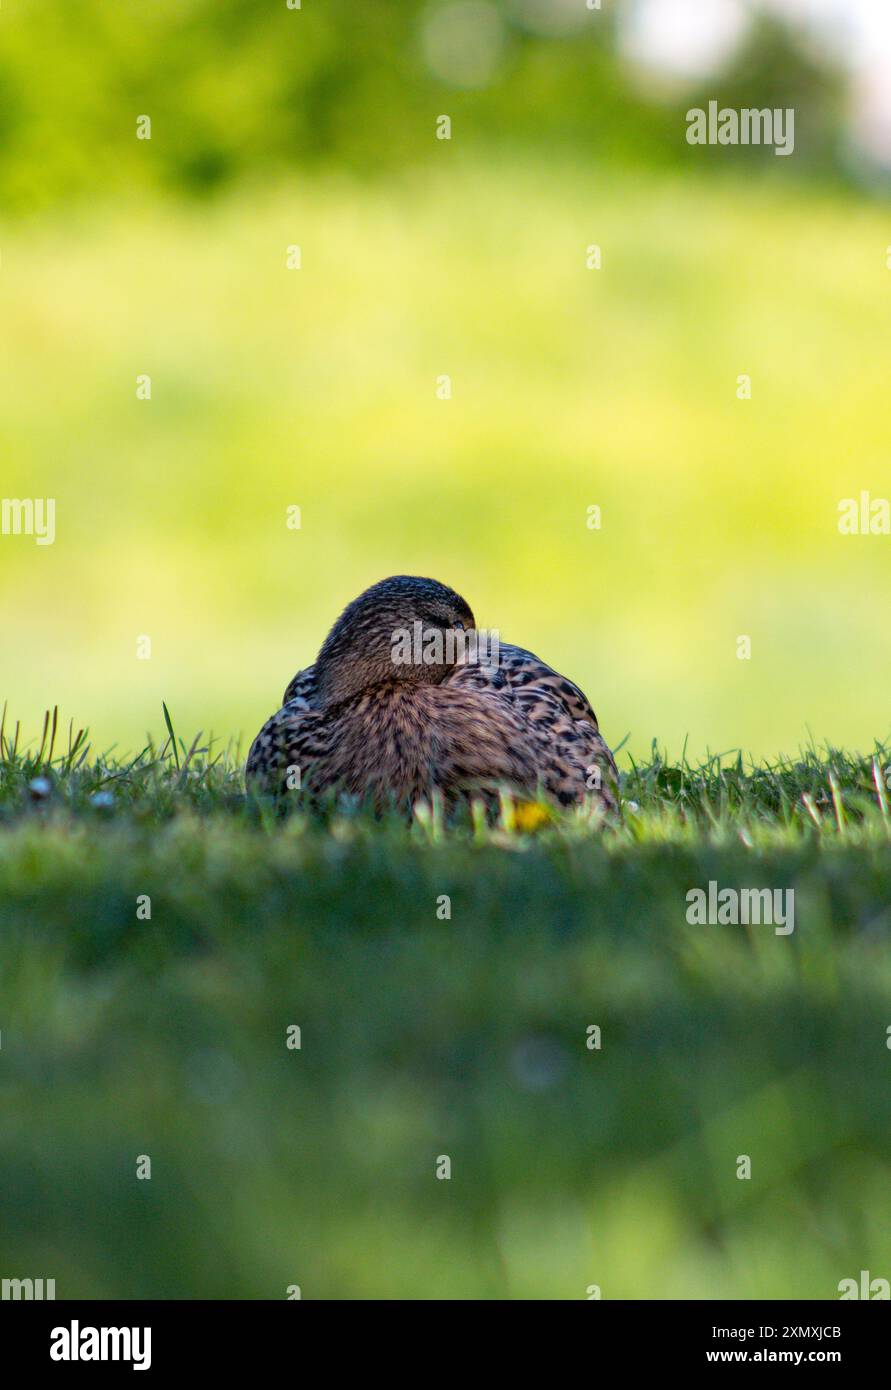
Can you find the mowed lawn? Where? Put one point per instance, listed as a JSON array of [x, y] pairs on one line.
[[571, 388], [423, 1037]]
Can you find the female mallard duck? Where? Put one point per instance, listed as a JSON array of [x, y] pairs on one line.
[[401, 703]]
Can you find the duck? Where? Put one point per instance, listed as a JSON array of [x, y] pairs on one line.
[[407, 699]]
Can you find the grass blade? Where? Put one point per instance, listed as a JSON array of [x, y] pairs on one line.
[[169, 722]]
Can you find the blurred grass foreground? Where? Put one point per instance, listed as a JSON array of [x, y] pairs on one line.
[[593, 1066]]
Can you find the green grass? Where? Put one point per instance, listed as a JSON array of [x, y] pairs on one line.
[[423, 1037], [571, 388]]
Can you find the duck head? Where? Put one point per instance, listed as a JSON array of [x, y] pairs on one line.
[[404, 628]]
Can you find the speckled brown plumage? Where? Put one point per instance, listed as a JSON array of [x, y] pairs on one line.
[[357, 722]]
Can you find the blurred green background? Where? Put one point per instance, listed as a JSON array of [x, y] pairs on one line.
[[571, 387]]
